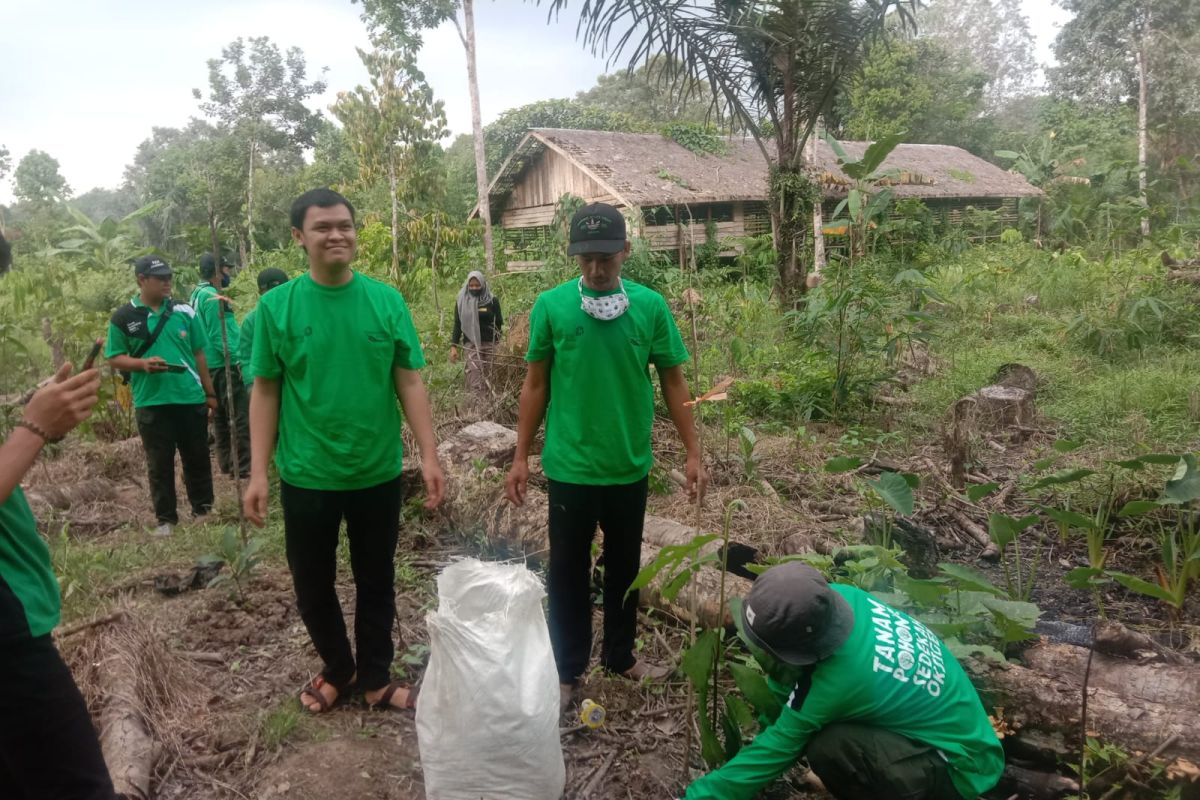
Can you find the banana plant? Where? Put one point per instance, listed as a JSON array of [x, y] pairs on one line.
[[869, 193]]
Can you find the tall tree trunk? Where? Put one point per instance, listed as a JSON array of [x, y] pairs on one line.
[[395, 220], [250, 200], [467, 34], [214, 239], [818, 221], [1143, 92]]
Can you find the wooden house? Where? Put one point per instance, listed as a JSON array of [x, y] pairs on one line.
[[673, 195]]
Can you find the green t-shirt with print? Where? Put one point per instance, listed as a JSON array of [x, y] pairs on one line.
[[601, 405], [178, 343], [892, 673], [333, 350], [29, 599], [208, 311]]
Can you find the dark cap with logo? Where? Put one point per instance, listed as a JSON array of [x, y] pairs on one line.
[[152, 265], [271, 277], [597, 228], [208, 264], [794, 616]]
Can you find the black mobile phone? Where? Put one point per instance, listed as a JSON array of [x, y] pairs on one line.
[[95, 351], [176, 368]]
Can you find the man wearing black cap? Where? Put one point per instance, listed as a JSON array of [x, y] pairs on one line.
[[215, 313], [268, 279], [870, 696], [591, 342], [161, 343]]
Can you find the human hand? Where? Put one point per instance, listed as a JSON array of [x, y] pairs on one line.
[[154, 364], [65, 402], [453, 354], [254, 501], [517, 481], [697, 478], [435, 483], [211, 402]]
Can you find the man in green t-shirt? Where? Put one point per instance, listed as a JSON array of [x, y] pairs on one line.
[[268, 279], [48, 747], [160, 343], [869, 695], [592, 341], [212, 311], [333, 351]]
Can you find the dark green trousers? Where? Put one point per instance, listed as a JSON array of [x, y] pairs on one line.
[[860, 762], [165, 430], [236, 416]]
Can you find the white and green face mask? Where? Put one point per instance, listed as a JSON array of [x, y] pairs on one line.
[[605, 308]]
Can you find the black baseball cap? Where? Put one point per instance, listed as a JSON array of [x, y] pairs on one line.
[[597, 228], [152, 265], [794, 616], [208, 264], [271, 277]]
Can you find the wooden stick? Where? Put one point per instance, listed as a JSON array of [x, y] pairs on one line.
[[116, 616]]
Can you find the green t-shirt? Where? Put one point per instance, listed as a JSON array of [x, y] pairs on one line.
[[178, 343], [334, 349], [208, 311], [29, 601], [893, 673], [246, 347], [601, 398]]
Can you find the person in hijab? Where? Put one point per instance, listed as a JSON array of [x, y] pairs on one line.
[[477, 324]]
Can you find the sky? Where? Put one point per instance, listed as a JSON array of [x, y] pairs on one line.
[[86, 80]]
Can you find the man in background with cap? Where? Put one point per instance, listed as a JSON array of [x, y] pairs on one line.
[[870, 696], [160, 344], [591, 343], [268, 279], [210, 308]]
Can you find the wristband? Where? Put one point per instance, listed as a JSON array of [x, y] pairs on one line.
[[38, 432]]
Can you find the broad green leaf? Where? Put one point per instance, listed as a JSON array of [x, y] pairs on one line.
[[925, 593], [1083, 577], [1017, 611], [894, 491], [842, 464], [1003, 529], [835, 146], [981, 490], [1184, 486], [1143, 587], [913, 480], [1133, 464], [710, 746], [960, 649], [878, 151], [1007, 154], [1161, 459], [739, 712], [971, 578], [674, 586], [697, 660], [733, 734], [1063, 477], [854, 203], [1070, 518], [753, 686], [1066, 445], [1136, 508], [1044, 463]]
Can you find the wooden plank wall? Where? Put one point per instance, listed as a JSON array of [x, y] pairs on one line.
[[548, 180]]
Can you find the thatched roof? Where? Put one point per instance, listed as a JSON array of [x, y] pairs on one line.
[[648, 169]]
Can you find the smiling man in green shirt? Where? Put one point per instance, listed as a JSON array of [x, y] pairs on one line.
[[592, 341], [870, 696], [333, 352]]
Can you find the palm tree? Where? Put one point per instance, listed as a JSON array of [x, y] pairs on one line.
[[775, 65]]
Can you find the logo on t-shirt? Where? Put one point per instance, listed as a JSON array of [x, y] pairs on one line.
[[134, 326], [902, 643]]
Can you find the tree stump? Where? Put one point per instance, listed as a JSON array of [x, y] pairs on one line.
[[999, 408]]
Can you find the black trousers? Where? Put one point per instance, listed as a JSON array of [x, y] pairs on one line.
[[312, 519], [861, 762], [575, 511], [236, 416], [164, 430], [48, 747]]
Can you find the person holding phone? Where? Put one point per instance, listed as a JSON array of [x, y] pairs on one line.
[[160, 343]]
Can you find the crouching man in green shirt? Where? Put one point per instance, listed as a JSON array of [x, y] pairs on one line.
[[870, 696], [592, 341], [333, 351]]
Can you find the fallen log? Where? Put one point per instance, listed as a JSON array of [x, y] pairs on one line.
[[124, 738]]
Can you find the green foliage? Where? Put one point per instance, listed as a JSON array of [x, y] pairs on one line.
[[37, 180], [700, 139], [240, 555]]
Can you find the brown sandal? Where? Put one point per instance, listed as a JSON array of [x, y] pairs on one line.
[[384, 702], [313, 690]]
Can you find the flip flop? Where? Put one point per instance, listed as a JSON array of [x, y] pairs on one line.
[[313, 690], [384, 703]]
